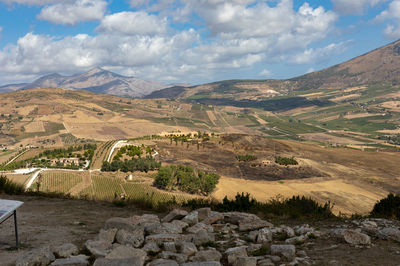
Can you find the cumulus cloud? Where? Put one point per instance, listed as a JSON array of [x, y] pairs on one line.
[[239, 19], [392, 15], [357, 7], [318, 55], [71, 13], [243, 33], [131, 23], [265, 73], [35, 2]]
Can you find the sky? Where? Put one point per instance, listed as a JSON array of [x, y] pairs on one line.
[[189, 41]]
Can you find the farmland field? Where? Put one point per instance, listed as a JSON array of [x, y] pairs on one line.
[[58, 181]]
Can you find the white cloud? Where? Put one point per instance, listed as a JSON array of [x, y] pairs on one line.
[[243, 33], [75, 12], [358, 7], [265, 73], [318, 55], [131, 23], [391, 14], [35, 2], [238, 19]]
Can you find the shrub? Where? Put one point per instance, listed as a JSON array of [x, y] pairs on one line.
[[388, 207], [286, 161], [293, 208], [185, 178], [9, 187], [246, 158]]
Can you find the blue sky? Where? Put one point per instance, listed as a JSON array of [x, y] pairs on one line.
[[189, 41]]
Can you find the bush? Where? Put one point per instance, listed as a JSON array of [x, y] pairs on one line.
[[246, 158], [136, 164], [185, 178], [9, 187], [293, 208], [388, 207], [286, 161]]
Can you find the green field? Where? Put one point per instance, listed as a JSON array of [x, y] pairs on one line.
[[59, 182]]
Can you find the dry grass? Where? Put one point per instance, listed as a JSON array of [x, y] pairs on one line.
[[324, 137], [35, 126], [345, 97], [348, 198]]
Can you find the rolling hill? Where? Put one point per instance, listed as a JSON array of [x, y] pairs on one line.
[[376, 67], [96, 80]]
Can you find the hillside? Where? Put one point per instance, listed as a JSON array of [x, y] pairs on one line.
[[377, 67], [96, 80]]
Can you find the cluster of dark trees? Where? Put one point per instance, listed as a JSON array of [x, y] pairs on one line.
[[135, 164], [185, 178], [286, 161], [69, 152], [133, 151]]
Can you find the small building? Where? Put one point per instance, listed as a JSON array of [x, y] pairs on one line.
[[129, 178]]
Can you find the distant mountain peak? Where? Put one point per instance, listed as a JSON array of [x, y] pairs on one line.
[[95, 71], [96, 80]]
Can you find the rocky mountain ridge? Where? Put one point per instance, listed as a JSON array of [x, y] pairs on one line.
[[95, 80]]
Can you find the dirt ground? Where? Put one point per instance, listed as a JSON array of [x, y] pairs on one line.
[[52, 221]]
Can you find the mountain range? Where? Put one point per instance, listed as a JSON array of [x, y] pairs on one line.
[[378, 66], [96, 80]]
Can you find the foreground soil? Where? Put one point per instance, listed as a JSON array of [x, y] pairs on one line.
[[51, 221]]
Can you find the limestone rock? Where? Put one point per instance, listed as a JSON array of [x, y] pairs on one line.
[[203, 213], [134, 237], [389, 233], [169, 246], [119, 223], [36, 257], [161, 238], [107, 235], [175, 214], [180, 258], [98, 248], [163, 228], [213, 218], [236, 217], [144, 219], [187, 248], [66, 250], [356, 238], [151, 247], [192, 218], [207, 255], [248, 225], [118, 262], [202, 237], [234, 253], [180, 223], [264, 235], [163, 262], [245, 261], [80, 260], [305, 228], [199, 226], [126, 252], [203, 263], [287, 251], [296, 240]]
